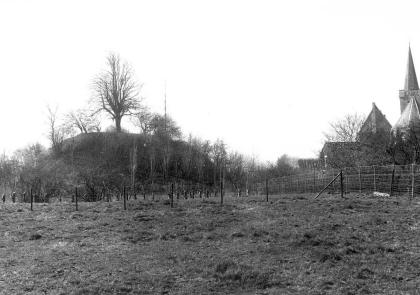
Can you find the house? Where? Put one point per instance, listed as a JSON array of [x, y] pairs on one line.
[[339, 154]]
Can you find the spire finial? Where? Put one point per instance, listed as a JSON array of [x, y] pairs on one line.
[[411, 77]]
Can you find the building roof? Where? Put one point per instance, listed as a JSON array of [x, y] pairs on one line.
[[334, 146], [411, 77], [410, 117], [340, 154], [375, 122]]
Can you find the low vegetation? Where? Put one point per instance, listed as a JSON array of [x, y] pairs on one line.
[[290, 245]]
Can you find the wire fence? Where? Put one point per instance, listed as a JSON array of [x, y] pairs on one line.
[[391, 179], [171, 193]]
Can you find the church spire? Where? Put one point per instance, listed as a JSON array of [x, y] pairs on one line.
[[410, 78]]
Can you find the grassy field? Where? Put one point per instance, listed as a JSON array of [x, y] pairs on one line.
[[290, 245]]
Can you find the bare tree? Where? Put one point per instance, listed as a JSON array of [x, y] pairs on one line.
[[219, 157], [116, 92], [133, 167], [236, 171], [57, 131], [404, 146], [83, 120], [143, 120], [346, 129]]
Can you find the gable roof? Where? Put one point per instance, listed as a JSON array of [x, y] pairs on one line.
[[337, 146], [375, 122]]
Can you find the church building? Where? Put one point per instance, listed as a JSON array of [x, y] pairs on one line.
[[376, 130]]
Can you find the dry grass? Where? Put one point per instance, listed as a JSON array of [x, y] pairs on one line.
[[291, 245]]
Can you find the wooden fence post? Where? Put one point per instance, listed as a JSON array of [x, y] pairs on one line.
[[412, 181], [374, 178], [32, 200], [392, 181], [125, 198], [346, 183], [331, 182], [75, 198], [314, 190], [221, 187], [172, 195], [360, 182], [325, 179], [341, 184], [283, 186], [266, 189]]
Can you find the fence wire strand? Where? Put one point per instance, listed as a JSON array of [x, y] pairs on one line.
[[391, 179]]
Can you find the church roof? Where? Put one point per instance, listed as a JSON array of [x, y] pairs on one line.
[[376, 121], [411, 77], [409, 117]]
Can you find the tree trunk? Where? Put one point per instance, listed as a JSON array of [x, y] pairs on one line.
[[118, 124]]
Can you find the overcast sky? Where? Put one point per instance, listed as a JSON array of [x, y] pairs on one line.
[[264, 76]]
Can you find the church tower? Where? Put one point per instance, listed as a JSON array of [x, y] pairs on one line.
[[411, 86]]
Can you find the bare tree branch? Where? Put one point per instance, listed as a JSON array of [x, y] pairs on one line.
[[143, 120], [83, 120], [346, 129], [57, 132], [116, 92]]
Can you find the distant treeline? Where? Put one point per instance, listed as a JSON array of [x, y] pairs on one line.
[[82, 155]]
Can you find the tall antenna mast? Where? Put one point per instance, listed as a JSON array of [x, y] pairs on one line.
[[165, 109], [166, 139]]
